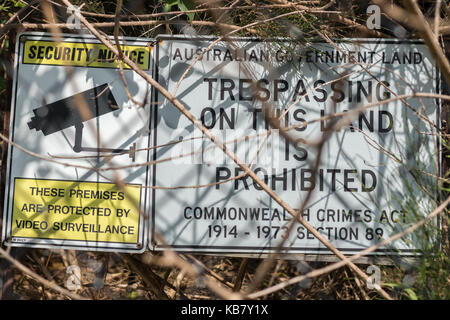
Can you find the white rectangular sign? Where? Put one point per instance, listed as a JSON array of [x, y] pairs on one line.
[[72, 124], [374, 177]]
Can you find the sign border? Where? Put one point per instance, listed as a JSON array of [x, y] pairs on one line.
[[7, 240], [153, 246]]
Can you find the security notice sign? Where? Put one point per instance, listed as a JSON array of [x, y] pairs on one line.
[[367, 179], [79, 124]]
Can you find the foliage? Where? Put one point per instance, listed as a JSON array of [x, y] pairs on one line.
[[183, 5]]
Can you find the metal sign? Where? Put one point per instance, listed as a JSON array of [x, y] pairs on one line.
[[375, 173], [76, 131]]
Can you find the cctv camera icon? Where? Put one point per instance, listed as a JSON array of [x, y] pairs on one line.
[[68, 112]]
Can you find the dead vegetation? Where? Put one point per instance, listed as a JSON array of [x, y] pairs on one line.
[[110, 276]]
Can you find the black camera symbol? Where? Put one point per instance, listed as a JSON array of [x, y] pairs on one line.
[[68, 112]]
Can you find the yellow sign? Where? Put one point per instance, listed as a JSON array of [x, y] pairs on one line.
[[82, 54], [73, 210]]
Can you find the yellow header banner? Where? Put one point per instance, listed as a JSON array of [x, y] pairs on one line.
[[73, 210], [82, 54]]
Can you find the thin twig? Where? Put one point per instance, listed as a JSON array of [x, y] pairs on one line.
[[40, 279]]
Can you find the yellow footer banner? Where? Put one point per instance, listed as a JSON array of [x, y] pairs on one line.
[[74, 210]]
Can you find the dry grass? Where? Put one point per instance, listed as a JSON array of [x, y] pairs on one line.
[[120, 281]]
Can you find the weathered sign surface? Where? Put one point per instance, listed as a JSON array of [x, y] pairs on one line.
[[76, 132], [372, 171], [72, 121]]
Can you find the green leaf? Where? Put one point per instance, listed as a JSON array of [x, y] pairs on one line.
[[185, 6], [168, 4], [411, 294], [3, 8], [18, 4]]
